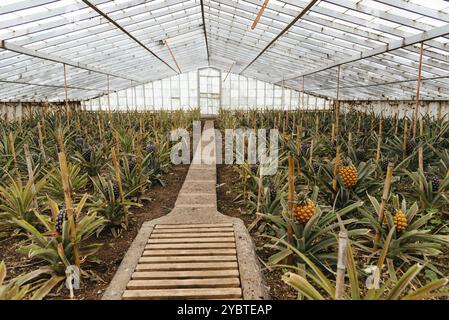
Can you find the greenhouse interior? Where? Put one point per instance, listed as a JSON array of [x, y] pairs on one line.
[[224, 150]]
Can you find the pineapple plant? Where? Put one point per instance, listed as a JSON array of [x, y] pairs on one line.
[[424, 186], [132, 164], [55, 251], [11, 290], [313, 284], [305, 147], [17, 201], [314, 229], [434, 181], [150, 148], [360, 153], [412, 239], [315, 166], [108, 204], [348, 174]]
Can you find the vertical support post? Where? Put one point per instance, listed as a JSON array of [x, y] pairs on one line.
[[421, 168], [418, 87], [439, 112], [337, 105], [291, 199], [259, 191], [66, 93], [379, 138], [396, 123], [109, 96], [60, 140], [341, 265], [69, 205], [41, 140], [404, 142], [383, 204], [336, 165]]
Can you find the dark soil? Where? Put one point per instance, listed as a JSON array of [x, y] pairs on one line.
[[111, 254], [229, 189]]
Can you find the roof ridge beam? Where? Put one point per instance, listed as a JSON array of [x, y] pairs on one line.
[[204, 29], [394, 45], [291, 24], [127, 33]]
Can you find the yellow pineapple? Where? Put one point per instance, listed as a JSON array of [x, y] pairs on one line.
[[400, 221], [304, 210], [348, 174]]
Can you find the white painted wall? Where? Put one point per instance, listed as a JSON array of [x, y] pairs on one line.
[[434, 109]]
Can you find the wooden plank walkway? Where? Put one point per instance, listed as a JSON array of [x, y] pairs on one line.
[[194, 252], [187, 261]]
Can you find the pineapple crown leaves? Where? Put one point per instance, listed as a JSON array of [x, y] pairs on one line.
[[345, 161], [302, 198]]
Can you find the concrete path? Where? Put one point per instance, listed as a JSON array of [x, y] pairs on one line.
[[194, 252]]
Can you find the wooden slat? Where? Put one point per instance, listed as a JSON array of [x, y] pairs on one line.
[[189, 252], [185, 274], [190, 245], [196, 235], [191, 240], [187, 266], [201, 225], [187, 259], [192, 230], [199, 293], [182, 283]]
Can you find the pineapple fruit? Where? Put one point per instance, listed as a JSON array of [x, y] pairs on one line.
[[360, 153], [60, 219], [304, 210], [400, 221], [349, 175], [434, 180]]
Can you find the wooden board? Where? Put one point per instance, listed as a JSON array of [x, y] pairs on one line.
[[197, 261], [152, 259], [191, 240], [185, 274], [187, 266], [189, 252], [190, 230], [177, 226], [196, 235], [190, 245], [182, 283], [199, 293]]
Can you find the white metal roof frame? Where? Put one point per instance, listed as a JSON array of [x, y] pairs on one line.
[[297, 43]]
